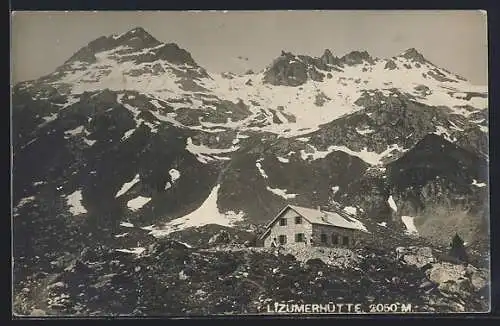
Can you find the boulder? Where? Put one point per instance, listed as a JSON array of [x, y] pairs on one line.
[[38, 312], [442, 272], [415, 256], [461, 286], [466, 277], [479, 277], [426, 285]]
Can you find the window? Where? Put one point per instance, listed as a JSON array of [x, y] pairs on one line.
[[298, 220], [345, 240], [282, 221], [323, 238], [282, 239], [335, 239], [299, 237]]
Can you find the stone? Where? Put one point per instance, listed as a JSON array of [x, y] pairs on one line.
[[415, 256], [457, 278], [183, 276], [426, 285], [461, 286], [38, 312]]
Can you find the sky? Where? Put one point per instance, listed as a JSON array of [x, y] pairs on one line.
[[238, 41]]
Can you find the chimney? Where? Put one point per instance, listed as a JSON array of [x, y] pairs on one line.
[[318, 208]]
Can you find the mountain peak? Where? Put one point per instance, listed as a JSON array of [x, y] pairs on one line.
[[136, 38], [413, 54], [356, 57], [137, 32], [328, 53], [138, 29]]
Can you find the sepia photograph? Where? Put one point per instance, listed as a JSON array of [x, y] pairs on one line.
[[214, 163]]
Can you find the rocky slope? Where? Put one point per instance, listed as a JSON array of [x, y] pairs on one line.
[[130, 139], [169, 279]]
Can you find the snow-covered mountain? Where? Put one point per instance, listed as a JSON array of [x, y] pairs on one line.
[[131, 131]]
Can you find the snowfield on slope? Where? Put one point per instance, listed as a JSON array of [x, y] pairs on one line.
[[372, 158], [339, 93], [207, 213], [281, 192], [127, 185], [409, 224], [108, 73], [137, 203], [174, 174], [204, 154], [342, 91], [296, 101], [74, 201], [392, 203]]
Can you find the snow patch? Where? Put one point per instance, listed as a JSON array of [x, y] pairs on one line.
[[121, 235], [168, 185], [261, 170], [454, 126], [89, 142], [283, 160], [128, 133], [241, 136], [156, 104], [383, 224], [174, 174], [31, 142], [221, 158], [281, 193], [138, 121], [73, 132], [392, 203], [127, 224], [74, 201], [49, 118], [335, 189], [126, 186], [204, 153], [409, 224], [364, 131], [24, 201], [207, 213], [186, 244], [135, 251], [372, 158], [478, 184], [351, 210], [441, 131], [137, 203]]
